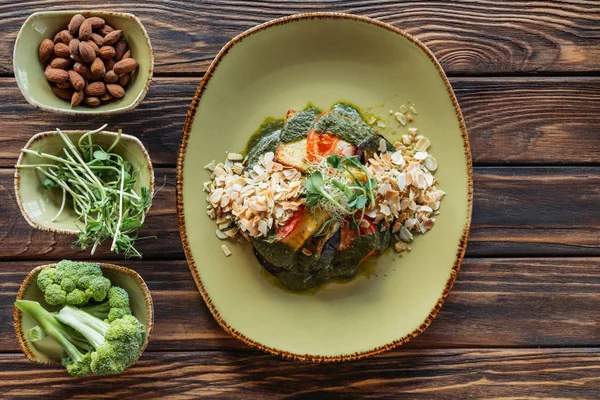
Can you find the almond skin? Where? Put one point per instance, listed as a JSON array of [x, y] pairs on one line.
[[97, 67], [126, 55], [111, 77], [56, 75], [106, 52], [64, 85], [65, 37], [106, 97], [92, 101], [126, 66], [85, 30], [75, 23], [112, 37], [120, 49], [124, 79], [115, 90], [61, 50], [105, 30], [95, 22], [84, 71], [74, 47], [87, 52], [46, 50], [95, 89], [60, 63], [77, 98], [93, 46], [99, 40], [63, 93], [76, 80], [109, 64]]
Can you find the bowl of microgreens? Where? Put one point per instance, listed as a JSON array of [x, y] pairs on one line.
[[91, 318], [97, 185]]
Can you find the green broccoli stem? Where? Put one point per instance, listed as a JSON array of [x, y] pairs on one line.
[[98, 310], [90, 327], [51, 325]]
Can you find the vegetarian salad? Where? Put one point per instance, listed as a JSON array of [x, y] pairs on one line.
[[319, 192]]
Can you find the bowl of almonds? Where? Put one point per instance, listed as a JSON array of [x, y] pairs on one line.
[[83, 62]]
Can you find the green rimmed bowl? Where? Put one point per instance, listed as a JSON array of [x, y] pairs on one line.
[[39, 206], [29, 71], [49, 351], [324, 58]]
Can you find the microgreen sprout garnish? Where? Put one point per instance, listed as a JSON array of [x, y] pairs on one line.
[[342, 187], [99, 186]]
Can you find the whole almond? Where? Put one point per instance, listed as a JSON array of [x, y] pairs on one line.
[[115, 90], [46, 50], [77, 57], [85, 30], [105, 30], [109, 64], [63, 93], [106, 52], [126, 55], [94, 46], [84, 71], [76, 80], [120, 49], [61, 50], [95, 22], [60, 63], [77, 98], [56, 75], [75, 23], [64, 85], [57, 38], [124, 79], [92, 101], [74, 47], [65, 36], [106, 97], [125, 66], [99, 40], [97, 67], [112, 37], [87, 52], [111, 77], [95, 89]]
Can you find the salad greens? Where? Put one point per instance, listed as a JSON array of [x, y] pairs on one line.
[[98, 185]]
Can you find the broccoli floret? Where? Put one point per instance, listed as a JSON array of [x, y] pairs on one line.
[[73, 283], [77, 362], [117, 344], [115, 307]]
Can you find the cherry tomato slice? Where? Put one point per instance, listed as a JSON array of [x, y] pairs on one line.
[[319, 145], [291, 223]]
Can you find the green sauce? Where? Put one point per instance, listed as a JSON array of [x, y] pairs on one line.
[[345, 122], [265, 139], [298, 125]]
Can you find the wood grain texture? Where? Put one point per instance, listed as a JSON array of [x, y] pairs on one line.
[[494, 302], [511, 121], [517, 211], [477, 37], [414, 374]]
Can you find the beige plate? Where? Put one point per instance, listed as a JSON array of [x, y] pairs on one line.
[[39, 205], [324, 58], [48, 351], [29, 71]]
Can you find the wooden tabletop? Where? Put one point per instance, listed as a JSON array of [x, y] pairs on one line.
[[523, 318]]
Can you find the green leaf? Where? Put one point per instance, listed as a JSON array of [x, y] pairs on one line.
[[49, 183], [360, 202], [101, 155], [335, 161], [353, 224]]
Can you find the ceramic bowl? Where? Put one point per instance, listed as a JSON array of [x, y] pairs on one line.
[[39, 205], [29, 70], [324, 58], [48, 351]]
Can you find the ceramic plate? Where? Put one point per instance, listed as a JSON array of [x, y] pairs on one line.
[[324, 58]]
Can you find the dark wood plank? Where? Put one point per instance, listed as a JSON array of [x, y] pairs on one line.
[[530, 211], [511, 121], [479, 37], [416, 374], [494, 302]]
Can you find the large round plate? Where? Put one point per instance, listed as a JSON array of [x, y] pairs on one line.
[[323, 58]]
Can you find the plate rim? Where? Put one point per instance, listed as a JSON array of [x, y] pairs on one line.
[[179, 189]]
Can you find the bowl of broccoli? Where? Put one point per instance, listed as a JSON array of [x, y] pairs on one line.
[[93, 319]]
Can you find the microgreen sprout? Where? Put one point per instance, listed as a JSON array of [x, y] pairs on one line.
[[99, 186]]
